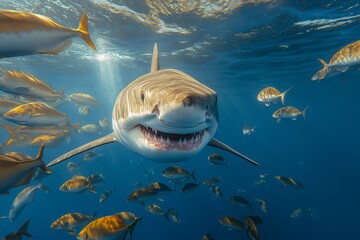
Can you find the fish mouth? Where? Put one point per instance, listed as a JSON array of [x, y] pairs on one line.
[[163, 141]]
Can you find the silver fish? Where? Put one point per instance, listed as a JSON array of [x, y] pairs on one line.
[[289, 113]]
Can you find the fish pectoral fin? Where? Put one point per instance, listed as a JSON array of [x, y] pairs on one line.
[[218, 144], [98, 142], [58, 49]]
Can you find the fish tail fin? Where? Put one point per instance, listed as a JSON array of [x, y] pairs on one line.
[[167, 213], [304, 111], [131, 227], [325, 65], [283, 95], [23, 229], [193, 175], [39, 158], [84, 31], [253, 129]]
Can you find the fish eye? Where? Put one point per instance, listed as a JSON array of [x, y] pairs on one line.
[[142, 95]]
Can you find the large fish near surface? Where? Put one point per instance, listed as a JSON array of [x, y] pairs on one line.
[[26, 85], [25, 197], [36, 114], [346, 59], [14, 173], [18, 234], [165, 115], [24, 33]]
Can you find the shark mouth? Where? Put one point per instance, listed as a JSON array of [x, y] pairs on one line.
[[168, 141]]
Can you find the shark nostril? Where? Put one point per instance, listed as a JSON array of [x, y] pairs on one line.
[[156, 110], [187, 102]]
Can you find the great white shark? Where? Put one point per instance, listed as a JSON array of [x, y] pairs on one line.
[[165, 115]]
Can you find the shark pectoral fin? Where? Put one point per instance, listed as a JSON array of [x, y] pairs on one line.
[[98, 142], [59, 48], [218, 144], [155, 65]]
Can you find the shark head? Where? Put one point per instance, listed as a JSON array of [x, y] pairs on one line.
[[166, 116]]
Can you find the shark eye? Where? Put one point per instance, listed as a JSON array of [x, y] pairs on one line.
[[142, 96]]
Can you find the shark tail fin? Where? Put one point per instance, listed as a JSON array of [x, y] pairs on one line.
[[155, 65], [84, 31], [283, 95], [218, 144], [23, 229]]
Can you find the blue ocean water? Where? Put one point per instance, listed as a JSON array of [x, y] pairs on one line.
[[237, 49]]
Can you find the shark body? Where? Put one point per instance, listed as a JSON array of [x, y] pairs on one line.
[[165, 115]]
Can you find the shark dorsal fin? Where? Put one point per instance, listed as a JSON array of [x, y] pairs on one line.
[[155, 59]]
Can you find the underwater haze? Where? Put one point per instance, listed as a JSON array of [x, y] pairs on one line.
[[237, 48]]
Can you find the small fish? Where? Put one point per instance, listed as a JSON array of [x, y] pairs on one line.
[[238, 201], [50, 140], [211, 181], [155, 209], [208, 236], [70, 222], [347, 58], [262, 205], [271, 95], [286, 181], [28, 86], [84, 99], [288, 112], [92, 155], [104, 123], [217, 191], [217, 159], [36, 114], [189, 187], [84, 110], [25, 197], [176, 173], [105, 195], [247, 130], [77, 184], [24, 33], [232, 223], [172, 215], [301, 212], [149, 193], [90, 129], [19, 233], [14, 173], [251, 229], [6, 105], [71, 166], [108, 227]]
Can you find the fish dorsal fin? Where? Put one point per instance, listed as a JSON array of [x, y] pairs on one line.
[[155, 65], [218, 144], [98, 142]]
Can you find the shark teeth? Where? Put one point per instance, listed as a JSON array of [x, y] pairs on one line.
[[168, 141]]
